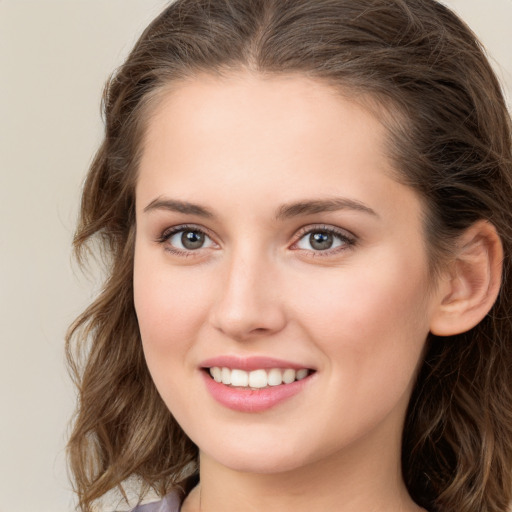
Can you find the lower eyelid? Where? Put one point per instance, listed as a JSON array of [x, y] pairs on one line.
[[184, 253], [179, 252]]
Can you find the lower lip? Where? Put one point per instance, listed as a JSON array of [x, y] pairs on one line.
[[252, 400]]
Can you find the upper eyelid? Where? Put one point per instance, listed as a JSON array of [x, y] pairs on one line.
[[172, 230], [311, 228], [302, 230]]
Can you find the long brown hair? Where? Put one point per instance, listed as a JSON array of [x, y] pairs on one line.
[[450, 138]]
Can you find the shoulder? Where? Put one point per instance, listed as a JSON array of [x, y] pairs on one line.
[[171, 503]]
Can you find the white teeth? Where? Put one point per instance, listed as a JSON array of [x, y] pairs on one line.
[[257, 379], [301, 374], [225, 376], [239, 378], [289, 376], [275, 377], [216, 373]]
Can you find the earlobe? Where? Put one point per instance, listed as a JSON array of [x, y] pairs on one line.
[[472, 282]]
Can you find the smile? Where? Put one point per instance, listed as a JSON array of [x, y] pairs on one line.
[[257, 379], [255, 384]]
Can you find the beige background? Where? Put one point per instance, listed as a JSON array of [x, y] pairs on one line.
[[54, 58]]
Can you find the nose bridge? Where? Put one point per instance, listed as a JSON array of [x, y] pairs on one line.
[[248, 302]]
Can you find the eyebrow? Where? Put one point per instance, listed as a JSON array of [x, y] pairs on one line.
[[286, 211], [174, 205]]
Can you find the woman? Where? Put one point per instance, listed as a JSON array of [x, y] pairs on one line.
[[306, 208]]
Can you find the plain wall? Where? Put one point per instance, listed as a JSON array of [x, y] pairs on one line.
[[55, 56]]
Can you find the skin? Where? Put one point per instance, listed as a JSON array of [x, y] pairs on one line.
[[243, 146]]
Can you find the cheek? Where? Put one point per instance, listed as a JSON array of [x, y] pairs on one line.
[[170, 304], [376, 311], [170, 308]]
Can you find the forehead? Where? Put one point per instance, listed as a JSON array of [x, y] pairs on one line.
[[248, 99], [248, 124]]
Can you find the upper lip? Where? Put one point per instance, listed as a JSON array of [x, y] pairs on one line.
[[250, 363]]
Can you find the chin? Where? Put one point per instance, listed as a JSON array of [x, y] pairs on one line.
[[271, 465], [261, 458]]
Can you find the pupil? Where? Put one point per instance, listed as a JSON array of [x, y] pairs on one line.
[[192, 239], [321, 241]]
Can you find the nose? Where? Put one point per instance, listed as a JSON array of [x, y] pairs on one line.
[[248, 300]]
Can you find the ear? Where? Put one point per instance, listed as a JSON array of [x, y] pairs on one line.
[[471, 283]]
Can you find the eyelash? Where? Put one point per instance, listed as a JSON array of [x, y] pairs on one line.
[[348, 240], [168, 233]]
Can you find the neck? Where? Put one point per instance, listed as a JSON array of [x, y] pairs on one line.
[[367, 476]]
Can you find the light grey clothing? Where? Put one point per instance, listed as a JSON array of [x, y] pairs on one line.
[[171, 503]]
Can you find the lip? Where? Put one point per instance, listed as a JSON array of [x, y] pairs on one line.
[[252, 400], [251, 363]]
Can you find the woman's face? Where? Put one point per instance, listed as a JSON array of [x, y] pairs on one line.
[[275, 251]]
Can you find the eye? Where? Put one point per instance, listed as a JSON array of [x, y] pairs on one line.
[[324, 240], [183, 239]]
